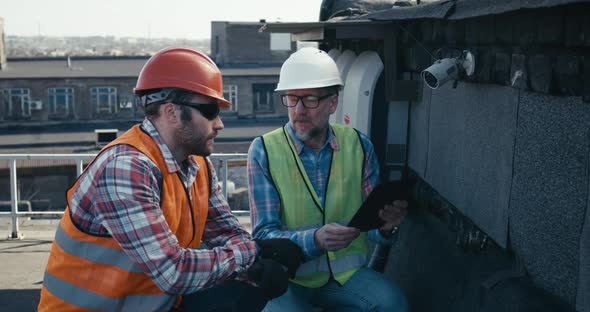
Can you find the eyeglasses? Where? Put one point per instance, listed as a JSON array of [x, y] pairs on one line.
[[308, 101], [208, 110]]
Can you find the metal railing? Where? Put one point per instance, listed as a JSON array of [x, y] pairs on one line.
[[79, 159]]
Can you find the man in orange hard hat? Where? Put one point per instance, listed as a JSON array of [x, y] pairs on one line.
[[130, 236]]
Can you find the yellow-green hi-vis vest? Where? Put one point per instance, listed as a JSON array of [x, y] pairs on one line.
[[301, 208]]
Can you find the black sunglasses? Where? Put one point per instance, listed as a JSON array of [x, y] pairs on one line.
[[208, 110]]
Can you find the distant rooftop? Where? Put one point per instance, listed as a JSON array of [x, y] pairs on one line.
[[100, 67]]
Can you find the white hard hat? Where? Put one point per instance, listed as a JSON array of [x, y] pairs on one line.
[[309, 68]]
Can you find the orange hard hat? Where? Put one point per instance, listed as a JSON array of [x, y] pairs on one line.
[[182, 68]]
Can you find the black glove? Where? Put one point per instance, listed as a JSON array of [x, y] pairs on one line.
[[270, 277], [283, 251]]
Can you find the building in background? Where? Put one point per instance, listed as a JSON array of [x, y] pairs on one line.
[[69, 89], [91, 88], [250, 61]]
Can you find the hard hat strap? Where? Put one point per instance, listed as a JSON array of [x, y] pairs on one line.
[[157, 97]]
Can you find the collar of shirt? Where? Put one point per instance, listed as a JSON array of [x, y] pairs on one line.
[[171, 163], [299, 145]]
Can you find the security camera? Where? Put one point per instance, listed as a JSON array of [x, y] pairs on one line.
[[448, 69], [440, 72]]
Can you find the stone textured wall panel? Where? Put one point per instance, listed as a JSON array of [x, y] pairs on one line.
[[550, 189], [471, 138]]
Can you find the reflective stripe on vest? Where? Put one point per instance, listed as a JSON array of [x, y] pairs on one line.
[[86, 299], [95, 253], [85, 271], [301, 207]]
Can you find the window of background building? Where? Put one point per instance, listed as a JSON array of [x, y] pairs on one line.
[[230, 92], [126, 102], [263, 97], [60, 101], [17, 102], [104, 99]]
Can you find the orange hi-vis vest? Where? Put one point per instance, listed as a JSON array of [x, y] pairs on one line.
[[86, 272]]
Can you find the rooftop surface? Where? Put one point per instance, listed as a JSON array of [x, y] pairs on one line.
[[106, 67]]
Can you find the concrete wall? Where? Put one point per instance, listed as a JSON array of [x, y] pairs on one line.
[[469, 140], [218, 41], [241, 42], [549, 199], [501, 163], [516, 163]]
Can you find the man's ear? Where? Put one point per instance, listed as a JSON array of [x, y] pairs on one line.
[[169, 112]]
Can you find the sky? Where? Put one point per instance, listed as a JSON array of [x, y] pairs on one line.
[[188, 19]]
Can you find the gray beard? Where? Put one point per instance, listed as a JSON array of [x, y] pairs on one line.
[[302, 136], [306, 136]]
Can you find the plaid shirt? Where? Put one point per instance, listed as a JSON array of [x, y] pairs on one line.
[[264, 198], [119, 195]]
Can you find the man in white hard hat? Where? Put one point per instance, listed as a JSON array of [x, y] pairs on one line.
[[306, 181]]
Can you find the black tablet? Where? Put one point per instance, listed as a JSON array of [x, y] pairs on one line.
[[367, 217]]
